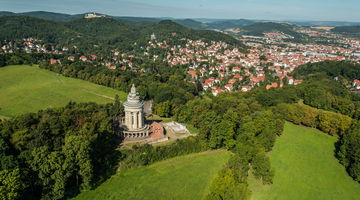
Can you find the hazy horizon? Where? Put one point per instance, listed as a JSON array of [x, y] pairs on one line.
[[279, 10]]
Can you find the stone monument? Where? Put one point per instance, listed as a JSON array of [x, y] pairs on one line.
[[134, 126]]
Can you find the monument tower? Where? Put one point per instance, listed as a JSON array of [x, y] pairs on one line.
[[134, 122]]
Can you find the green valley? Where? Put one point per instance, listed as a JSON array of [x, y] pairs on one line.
[[305, 168]]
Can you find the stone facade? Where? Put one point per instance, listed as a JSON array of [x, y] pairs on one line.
[[133, 125]]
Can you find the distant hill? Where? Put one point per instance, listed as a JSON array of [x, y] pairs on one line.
[[167, 28], [45, 15], [353, 31], [190, 23], [6, 13], [102, 28], [197, 23], [259, 29], [231, 24], [324, 23], [18, 27], [103, 32]]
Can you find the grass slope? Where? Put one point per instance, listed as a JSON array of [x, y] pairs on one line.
[[305, 168], [29, 89], [185, 177]]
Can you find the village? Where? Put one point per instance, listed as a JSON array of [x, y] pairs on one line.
[[218, 66]]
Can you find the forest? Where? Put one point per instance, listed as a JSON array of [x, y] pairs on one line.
[[57, 152], [104, 34]]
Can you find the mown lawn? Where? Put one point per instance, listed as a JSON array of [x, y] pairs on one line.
[[305, 168], [185, 177], [26, 89]]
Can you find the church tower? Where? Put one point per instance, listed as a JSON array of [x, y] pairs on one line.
[[134, 122]]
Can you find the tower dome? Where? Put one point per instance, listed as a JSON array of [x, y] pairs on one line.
[[133, 98]]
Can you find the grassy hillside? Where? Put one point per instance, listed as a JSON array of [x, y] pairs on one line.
[[28, 89], [305, 168], [186, 177]]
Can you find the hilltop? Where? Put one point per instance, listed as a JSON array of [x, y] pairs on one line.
[[259, 29], [45, 15], [104, 32]]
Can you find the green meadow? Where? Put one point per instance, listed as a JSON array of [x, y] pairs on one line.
[[185, 177], [306, 168], [26, 89]]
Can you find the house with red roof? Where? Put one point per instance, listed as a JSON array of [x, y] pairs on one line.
[[54, 61], [71, 58], [229, 87], [245, 88], [232, 81], [216, 91], [356, 84], [93, 57], [236, 69], [193, 74], [83, 58], [273, 85]]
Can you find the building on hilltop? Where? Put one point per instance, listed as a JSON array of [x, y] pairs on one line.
[[93, 15]]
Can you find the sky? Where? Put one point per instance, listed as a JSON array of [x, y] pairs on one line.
[[321, 10]]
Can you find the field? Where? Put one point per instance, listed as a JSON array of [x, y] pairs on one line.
[[185, 177], [26, 89], [305, 168]]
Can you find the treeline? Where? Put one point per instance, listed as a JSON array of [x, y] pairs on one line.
[[242, 126], [57, 152], [349, 151], [160, 83], [148, 154], [333, 69], [318, 91], [334, 124], [23, 59]]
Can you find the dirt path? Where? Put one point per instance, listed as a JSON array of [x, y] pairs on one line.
[[100, 95]]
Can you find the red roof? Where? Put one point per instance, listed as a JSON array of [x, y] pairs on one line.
[[273, 85], [157, 131]]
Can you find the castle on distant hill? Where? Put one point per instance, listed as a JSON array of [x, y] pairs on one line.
[[93, 15]]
